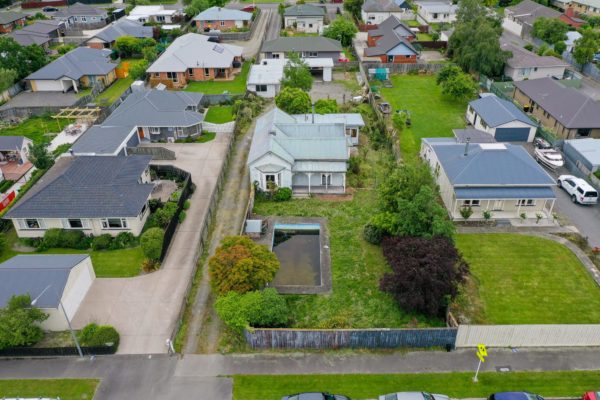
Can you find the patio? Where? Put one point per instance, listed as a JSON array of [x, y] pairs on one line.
[[13, 170]]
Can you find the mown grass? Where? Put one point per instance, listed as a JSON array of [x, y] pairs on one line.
[[39, 129], [65, 389], [114, 91], [219, 114]]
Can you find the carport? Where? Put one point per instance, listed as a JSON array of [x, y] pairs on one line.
[[321, 66]]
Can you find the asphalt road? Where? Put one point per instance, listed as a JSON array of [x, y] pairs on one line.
[[585, 218]]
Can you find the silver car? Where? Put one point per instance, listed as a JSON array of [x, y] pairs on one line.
[[413, 396]]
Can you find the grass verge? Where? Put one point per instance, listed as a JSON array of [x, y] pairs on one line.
[[66, 389]]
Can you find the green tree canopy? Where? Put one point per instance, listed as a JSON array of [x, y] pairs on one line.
[[39, 156], [258, 309], [23, 59], [459, 86], [586, 46], [326, 106], [19, 323], [128, 46], [7, 78], [296, 73], [354, 7], [550, 30], [342, 29], [293, 100]]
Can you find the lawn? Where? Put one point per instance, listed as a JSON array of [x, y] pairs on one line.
[[39, 129], [456, 385], [66, 389], [432, 114], [235, 86], [114, 91], [219, 114], [425, 37], [529, 280]]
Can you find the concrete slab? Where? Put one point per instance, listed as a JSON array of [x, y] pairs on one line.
[[41, 99]]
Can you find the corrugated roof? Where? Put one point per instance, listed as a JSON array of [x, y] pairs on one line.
[[437, 6], [504, 193], [124, 27], [223, 14], [496, 111], [78, 62], [101, 140], [347, 119], [528, 11], [304, 10], [79, 9], [384, 6], [473, 135], [312, 43], [588, 148], [31, 274], [319, 166]]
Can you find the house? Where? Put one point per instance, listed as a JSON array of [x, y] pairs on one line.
[[583, 154], [95, 195], [501, 119], [565, 111], [105, 39], [144, 116], [306, 157], [374, 12], [157, 14], [500, 178], [82, 16], [304, 18], [14, 157], [42, 33], [81, 67], [390, 42], [524, 64], [9, 20], [572, 37], [472, 135], [571, 18], [353, 123], [587, 7], [306, 47], [53, 281], [222, 19], [192, 57], [265, 77], [435, 12], [519, 19]]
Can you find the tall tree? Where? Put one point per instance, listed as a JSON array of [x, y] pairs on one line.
[[550, 30], [342, 29], [23, 59], [470, 11], [459, 86], [353, 7], [293, 101], [586, 46], [296, 73]]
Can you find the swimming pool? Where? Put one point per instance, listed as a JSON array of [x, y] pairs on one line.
[[298, 249]]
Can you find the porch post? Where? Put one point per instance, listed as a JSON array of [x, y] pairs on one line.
[[552, 207], [519, 209], [326, 185], [309, 175], [344, 182]]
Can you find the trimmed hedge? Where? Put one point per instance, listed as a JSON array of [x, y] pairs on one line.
[[94, 335]]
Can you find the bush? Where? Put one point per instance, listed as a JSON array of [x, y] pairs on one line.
[[102, 242], [466, 212], [19, 322], [182, 216], [123, 241], [152, 242], [149, 265], [372, 234], [259, 309], [73, 239], [354, 165], [283, 194], [52, 238], [93, 335], [165, 214], [186, 205]]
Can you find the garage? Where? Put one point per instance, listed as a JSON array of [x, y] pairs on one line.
[[59, 85], [512, 134], [320, 67]]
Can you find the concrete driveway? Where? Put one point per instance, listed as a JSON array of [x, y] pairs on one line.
[[41, 99], [145, 309]]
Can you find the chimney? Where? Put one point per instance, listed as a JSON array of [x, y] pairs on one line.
[[467, 147]]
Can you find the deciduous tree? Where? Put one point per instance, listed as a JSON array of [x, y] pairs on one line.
[[326, 106], [7, 78], [293, 101], [19, 323], [586, 46], [342, 29], [459, 86], [354, 7], [23, 59], [550, 30], [296, 73], [39, 156]]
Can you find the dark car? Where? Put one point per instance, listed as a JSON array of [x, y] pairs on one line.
[[315, 396], [515, 396], [49, 9]]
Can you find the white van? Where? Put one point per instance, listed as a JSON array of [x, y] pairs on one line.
[[580, 191]]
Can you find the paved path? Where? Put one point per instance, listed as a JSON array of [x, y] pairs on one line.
[[145, 309]]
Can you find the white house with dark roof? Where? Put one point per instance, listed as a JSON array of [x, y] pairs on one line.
[[436, 11], [524, 64], [53, 281], [307, 18], [519, 19], [105, 39], [500, 178], [374, 12], [501, 119], [222, 19], [306, 157], [157, 14], [95, 195]]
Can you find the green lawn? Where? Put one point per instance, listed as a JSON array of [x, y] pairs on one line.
[[235, 86], [426, 37], [38, 129], [219, 114], [456, 385], [432, 114], [114, 91], [66, 389], [529, 280]]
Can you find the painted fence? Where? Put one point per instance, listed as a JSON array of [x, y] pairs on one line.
[[405, 68], [528, 335], [350, 338]]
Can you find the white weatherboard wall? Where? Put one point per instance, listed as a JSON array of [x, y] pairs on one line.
[[528, 335]]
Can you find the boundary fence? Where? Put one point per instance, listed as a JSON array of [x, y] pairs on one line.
[[56, 351]]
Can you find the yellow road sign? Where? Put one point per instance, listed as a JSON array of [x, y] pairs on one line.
[[481, 352]]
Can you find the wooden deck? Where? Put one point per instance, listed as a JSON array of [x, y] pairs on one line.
[[15, 171]]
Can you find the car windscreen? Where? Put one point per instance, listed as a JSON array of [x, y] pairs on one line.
[[591, 194]]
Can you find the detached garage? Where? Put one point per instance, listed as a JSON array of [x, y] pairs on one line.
[[501, 119], [320, 66], [50, 280]]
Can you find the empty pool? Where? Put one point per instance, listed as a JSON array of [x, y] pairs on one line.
[[298, 249]]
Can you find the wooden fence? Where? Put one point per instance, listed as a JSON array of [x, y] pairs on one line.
[[405, 68]]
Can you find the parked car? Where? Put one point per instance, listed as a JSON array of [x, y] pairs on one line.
[[315, 396], [591, 396], [515, 396], [541, 143], [249, 8], [580, 191], [413, 396], [49, 9]]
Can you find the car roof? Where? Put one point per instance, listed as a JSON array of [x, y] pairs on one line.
[[511, 396], [409, 396], [311, 396], [580, 182]]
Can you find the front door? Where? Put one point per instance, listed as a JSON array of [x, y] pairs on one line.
[[141, 132]]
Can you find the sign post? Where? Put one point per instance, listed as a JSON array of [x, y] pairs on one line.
[[481, 354]]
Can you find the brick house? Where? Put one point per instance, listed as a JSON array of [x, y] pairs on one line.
[[222, 19], [10, 20]]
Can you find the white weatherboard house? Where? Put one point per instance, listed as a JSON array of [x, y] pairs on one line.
[[265, 77], [306, 157], [49, 279], [501, 119], [525, 64], [304, 18], [500, 178]]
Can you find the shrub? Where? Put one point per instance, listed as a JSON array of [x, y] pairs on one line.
[[182, 216], [52, 238], [259, 309], [354, 165], [152, 242], [19, 322], [123, 241], [241, 265], [73, 239], [283, 194], [165, 214], [93, 335], [466, 212], [372, 234], [487, 215], [186, 205], [102, 242], [149, 265]]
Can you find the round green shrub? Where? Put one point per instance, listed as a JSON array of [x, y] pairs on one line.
[[264, 309], [123, 241], [186, 205], [372, 234], [182, 216], [151, 242], [52, 238], [72, 239], [102, 242], [93, 335], [283, 194]]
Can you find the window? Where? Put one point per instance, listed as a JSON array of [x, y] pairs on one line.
[[526, 202], [30, 224], [143, 210], [325, 179], [160, 18], [178, 132], [275, 55], [172, 76], [74, 223], [435, 15], [157, 74], [584, 132], [310, 25], [353, 132], [154, 130], [313, 54], [470, 203], [222, 23], [83, 19], [390, 58], [206, 72], [114, 223], [261, 88], [191, 72]]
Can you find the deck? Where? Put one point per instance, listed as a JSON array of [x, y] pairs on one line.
[[14, 171]]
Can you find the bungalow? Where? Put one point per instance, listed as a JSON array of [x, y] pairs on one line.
[[583, 154], [9, 20], [390, 42], [306, 47], [500, 178], [81, 67], [519, 19], [96, 195], [157, 14], [264, 78], [374, 12], [222, 19], [353, 123], [565, 111], [500, 119], [435, 12], [105, 39], [192, 57], [524, 64], [80, 15], [144, 116], [306, 157], [41, 33], [57, 283], [304, 18]]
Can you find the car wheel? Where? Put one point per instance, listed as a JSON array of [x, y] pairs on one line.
[[559, 183], [573, 198]]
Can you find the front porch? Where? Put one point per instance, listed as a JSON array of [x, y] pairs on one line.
[[505, 209], [300, 190], [319, 183]]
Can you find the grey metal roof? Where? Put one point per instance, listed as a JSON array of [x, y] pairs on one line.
[[10, 16], [570, 107], [496, 111], [349, 119], [588, 148], [473, 135], [437, 6], [158, 108], [223, 14], [31, 274], [312, 43], [523, 58], [25, 38], [392, 23], [87, 187], [101, 140], [528, 11], [489, 164], [80, 9], [44, 26], [504, 193], [383, 6], [11, 143], [124, 27], [388, 42], [78, 62], [304, 10]]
